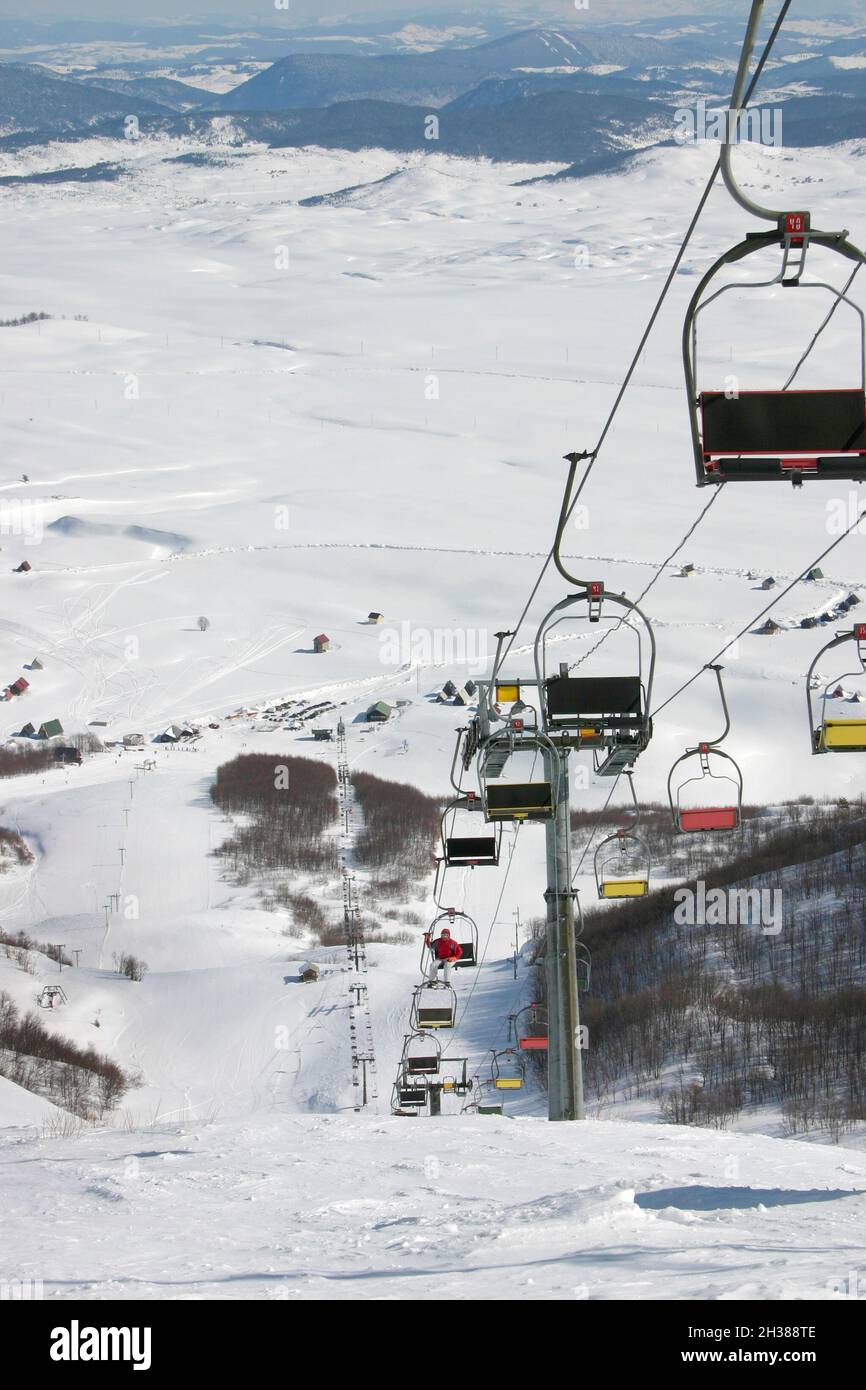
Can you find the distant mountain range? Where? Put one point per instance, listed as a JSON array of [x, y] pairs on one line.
[[587, 97]]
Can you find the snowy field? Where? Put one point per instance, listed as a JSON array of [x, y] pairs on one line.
[[283, 417]]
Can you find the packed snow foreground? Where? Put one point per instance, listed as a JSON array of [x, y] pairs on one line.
[[287, 407]]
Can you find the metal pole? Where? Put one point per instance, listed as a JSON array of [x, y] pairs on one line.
[[565, 1064]]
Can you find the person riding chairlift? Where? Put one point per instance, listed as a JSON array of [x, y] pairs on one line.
[[443, 951]]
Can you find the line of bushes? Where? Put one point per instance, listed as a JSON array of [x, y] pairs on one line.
[[77, 1078]]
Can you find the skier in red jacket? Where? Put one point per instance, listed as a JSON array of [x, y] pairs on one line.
[[444, 951]]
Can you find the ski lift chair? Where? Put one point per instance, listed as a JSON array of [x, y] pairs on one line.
[[788, 435], [508, 1074], [622, 861], [514, 801], [421, 1055], [708, 814], [832, 734], [467, 851], [464, 932], [607, 714], [531, 1033], [433, 1007]]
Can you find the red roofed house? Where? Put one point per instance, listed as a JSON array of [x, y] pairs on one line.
[[321, 643], [18, 687]]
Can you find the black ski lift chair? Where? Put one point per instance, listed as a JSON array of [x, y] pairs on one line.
[[788, 434], [408, 1097], [464, 932], [422, 1053], [463, 850], [516, 801], [608, 714], [507, 1071], [830, 734], [467, 851], [433, 1007], [622, 861], [531, 1028], [719, 803]]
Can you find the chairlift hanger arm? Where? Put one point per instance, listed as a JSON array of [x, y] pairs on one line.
[[565, 512], [741, 95]]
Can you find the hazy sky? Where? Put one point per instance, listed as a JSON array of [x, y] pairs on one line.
[[259, 12]]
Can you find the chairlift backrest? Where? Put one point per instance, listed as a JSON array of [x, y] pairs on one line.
[[594, 698]]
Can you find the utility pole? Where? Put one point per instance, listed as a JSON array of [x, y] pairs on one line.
[[77, 952], [516, 939], [59, 949], [564, 1060]]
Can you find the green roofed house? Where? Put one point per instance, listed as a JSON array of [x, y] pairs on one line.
[[379, 712], [52, 728], [815, 573]]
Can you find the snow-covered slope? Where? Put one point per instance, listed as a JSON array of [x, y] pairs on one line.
[[283, 417]]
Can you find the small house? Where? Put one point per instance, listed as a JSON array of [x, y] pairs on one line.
[[28, 731], [462, 698], [687, 571], [809, 622], [470, 687], [851, 601], [838, 693], [769, 629], [378, 713], [323, 735], [18, 687], [449, 689], [768, 583], [34, 665], [173, 734], [814, 574], [133, 740], [23, 567], [375, 618], [309, 974], [52, 728], [442, 697], [65, 754], [321, 643]]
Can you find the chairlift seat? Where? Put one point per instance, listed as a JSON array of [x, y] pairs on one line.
[[468, 957], [488, 1109], [625, 888], [519, 801], [709, 818], [412, 1095], [843, 736], [770, 434], [474, 850], [422, 1066], [435, 1015], [584, 702], [533, 1044], [508, 1083]]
